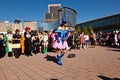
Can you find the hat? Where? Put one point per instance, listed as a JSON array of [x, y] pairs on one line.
[[64, 20], [27, 28], [9, 31]]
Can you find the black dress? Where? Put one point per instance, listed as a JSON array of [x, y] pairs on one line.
[[2, 48], [17, 51], [27, 43], [36, 45]]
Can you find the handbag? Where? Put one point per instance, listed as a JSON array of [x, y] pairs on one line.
[[71, 55]]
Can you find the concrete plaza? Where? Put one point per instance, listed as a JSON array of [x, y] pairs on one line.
[[99, 63]]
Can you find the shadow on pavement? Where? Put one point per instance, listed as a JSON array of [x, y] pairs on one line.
[[53, 79], [107, 78], [51, 58], [119, 58], [117, 50]]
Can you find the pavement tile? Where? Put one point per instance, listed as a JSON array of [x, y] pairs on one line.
[[2, 75], [88, 64]]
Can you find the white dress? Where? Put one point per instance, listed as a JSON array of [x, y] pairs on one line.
[[9, 41]]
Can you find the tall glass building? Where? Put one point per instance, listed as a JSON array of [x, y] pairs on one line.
[[66, 12], [108, 23], [69, 14]]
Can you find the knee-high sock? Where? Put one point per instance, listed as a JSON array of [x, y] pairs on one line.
[[46, 49], [61, 54], [59, 60]]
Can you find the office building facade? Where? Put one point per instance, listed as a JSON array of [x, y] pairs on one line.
[[6, 25], [108, 23], [31, 24], [52, 15], [70, 15]]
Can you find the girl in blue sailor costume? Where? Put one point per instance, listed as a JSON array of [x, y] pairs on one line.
[[61, 37]]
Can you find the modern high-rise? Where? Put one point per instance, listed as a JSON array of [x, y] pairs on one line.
[[69, 14], [52, 15]]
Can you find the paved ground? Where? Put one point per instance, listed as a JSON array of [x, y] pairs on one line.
[[100, 63]]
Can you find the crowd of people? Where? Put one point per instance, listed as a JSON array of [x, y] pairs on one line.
[[32, 42], [111, 39], [42, 42], [24, 43]]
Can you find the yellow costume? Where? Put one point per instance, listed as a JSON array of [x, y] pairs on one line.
[[22, 43]]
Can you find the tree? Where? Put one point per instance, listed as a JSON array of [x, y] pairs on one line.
[[85, 30], [90, 29], [79, 30], [118, 26]]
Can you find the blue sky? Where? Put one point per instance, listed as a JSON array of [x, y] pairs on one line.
[[35, 9]]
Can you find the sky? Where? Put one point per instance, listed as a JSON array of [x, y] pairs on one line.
[[33, 10]]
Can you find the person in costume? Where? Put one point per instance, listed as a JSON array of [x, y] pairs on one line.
[[22, 44], [45, 42], [92, 39], [40, 35], [82, 41], [2, 45], [53, 40], [27, 41], [9, 42], [70, 41], [86, 40], [61, 40], [16, 43], [36, 43]]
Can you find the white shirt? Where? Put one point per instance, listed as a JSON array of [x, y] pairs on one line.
[[86, 37]]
